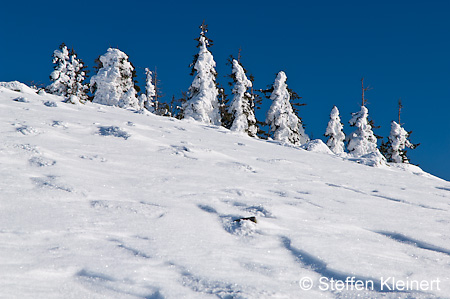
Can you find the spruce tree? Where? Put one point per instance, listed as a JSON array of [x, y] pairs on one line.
[[284, 124], [242, 107], [334, 132], [147, 99], [362, 141], [394, 149], [202, 103], [397, 142], [114, 85], [68, 76]]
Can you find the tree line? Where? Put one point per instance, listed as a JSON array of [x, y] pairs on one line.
[[115, 84]]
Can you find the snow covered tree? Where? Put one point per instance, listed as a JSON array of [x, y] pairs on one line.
[[146, 100], [241, 107], [394, 149], [68, 76], [113, 85], [202, 103], [362, 141], [334, 132], [283, 123]]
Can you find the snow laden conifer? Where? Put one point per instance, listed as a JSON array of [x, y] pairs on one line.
[[241, 107], [68, 76], [394, 149], [146, 100], [362, 142], [334, 132], [113, 85], [284, 124], [202, 103]]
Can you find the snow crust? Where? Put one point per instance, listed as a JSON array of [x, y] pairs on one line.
[[100, 202]]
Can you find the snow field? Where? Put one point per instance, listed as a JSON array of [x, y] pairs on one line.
[[101, 202]]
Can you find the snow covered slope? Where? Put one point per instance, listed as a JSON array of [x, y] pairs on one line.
[[101, 202]]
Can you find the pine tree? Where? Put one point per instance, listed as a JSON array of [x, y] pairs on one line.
[[114, 85], [68, 76], [283, 123], [202, 103], [241, 107], [334, 132]]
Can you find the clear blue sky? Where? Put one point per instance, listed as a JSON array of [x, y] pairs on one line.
[[402, 48]]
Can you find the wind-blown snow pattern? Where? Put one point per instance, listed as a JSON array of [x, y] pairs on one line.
[[202, 104], [98, 202], [334, 132], [240, 108], [113, 85], [284, 124]]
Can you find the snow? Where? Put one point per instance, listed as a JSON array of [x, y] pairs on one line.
[[101, 202]]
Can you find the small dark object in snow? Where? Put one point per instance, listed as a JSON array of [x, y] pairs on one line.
[[21, 100], [252, 218], [50, 104]]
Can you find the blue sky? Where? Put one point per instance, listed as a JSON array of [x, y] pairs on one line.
[[401, 48]]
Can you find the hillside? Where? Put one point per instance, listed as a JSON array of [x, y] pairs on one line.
[[102, 202]]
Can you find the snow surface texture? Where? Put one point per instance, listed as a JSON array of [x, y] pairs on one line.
[[244, 119], [113, 84], [202, 104], [284, 124], [100, 202]]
